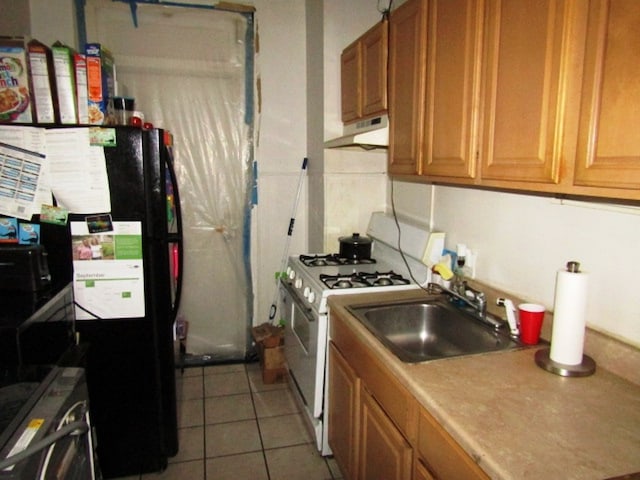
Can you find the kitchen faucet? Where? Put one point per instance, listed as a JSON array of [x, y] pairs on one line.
[[475, 299]]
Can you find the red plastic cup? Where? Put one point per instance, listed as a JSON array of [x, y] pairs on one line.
[[531, 316]]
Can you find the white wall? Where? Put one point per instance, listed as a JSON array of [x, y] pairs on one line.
[[351, 183], [282, 143], [523, 240], [53, 20]]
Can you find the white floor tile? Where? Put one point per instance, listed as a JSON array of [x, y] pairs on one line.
[[236, 467]]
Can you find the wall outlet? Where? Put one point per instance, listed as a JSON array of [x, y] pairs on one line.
[[470, 262]]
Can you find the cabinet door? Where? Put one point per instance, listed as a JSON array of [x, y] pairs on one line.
[[608, 142], [442, 453], [421, 472], [453, 87], [525, 78], [407, 57], [384, 453], [344, 396], [351, 80], [374, 69]]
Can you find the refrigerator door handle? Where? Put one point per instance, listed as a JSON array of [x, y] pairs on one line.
[[177, 252]]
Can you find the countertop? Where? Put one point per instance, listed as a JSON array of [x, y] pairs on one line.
[[515, 419]]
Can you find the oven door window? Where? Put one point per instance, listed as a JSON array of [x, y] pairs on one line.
[[301, 328]]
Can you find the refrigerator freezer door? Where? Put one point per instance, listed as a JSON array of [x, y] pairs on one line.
[[131, 370]]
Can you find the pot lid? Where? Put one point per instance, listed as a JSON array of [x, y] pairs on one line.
[[355, 239]]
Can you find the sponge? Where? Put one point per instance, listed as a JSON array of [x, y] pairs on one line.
[[443, 270]]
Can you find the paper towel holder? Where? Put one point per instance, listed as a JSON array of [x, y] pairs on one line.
[[587, 365], [584, 369]]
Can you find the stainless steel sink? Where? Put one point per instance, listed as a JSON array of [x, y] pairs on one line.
[[419, 331]]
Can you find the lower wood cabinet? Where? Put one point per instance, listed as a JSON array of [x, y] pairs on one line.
[[377, 429], [384, 453], [441, 455], [421, 473], [344, 399]]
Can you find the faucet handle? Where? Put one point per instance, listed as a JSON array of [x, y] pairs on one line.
[[472, 293], [511, 318]]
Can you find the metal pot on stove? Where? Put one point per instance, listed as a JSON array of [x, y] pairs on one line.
[[355, 247]]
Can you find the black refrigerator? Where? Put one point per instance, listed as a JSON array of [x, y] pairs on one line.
[[130, 361]]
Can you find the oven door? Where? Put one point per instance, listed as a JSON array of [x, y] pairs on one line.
[[305, 348]]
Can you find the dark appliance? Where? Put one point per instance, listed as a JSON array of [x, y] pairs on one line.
[[45, 427], [36, 327], [23, 268], [130, 361]]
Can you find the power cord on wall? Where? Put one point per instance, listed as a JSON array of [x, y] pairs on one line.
[[385, 11], [385, 16], [402, 255]]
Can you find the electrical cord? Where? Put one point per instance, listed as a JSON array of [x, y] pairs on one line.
[[402, 255], [385, 11], [97, 317]]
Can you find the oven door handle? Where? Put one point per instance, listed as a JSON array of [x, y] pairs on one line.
[[308, 313]]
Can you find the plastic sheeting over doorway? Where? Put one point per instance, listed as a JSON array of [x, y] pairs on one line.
[[187, 70]]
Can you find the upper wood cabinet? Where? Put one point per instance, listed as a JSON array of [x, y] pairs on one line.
[[526, 70], [608, 152], [407, 57], [525, 95], [351, 83], [364, 75], [454, 40]]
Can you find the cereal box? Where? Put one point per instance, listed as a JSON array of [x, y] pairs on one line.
[[64, 67], [42, 82], [100, 83], [15, 97], [82, 100]]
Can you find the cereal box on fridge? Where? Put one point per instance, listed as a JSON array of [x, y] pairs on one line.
[[15, 97], [100, 83], [64, 68], [80, 64], [42, 82]]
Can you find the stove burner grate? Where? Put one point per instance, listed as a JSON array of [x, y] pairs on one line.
[[363, 279], [333, 259]]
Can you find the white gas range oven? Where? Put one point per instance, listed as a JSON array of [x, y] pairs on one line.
[[312, 278]]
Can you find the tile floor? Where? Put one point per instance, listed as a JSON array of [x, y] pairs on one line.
[[233, 426]]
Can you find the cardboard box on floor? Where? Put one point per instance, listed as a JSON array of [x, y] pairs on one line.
[[270, 342]]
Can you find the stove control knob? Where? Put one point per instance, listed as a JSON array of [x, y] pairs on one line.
[[306, 292], [311, 297], [291, 273], [298, 283]]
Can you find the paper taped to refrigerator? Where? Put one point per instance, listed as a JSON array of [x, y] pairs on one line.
[[23, 174], [108, 273], [78, 171]]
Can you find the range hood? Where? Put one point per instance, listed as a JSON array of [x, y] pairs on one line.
[[367, 134]]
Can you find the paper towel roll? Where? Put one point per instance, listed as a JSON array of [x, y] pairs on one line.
[[569, 317]]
